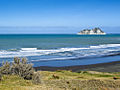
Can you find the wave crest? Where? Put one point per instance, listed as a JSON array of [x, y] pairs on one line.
[[100, 50]]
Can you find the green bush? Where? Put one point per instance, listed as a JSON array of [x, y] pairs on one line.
[[6, 68], [0, 76], [21, 68]]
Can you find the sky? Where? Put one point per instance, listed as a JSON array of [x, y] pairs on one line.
[[59, 16]]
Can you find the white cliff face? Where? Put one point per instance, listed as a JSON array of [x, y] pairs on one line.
[[95, 31]]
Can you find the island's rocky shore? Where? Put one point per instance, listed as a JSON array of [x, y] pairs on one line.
[[102, 67], [95, 31]]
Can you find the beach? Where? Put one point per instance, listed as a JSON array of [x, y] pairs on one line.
[[101, 67]]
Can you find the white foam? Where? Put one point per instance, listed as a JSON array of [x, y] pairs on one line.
[[77, 52], [105, 46], [28, 49], [64, 58]]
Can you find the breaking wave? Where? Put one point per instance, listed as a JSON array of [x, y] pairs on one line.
[[64, 53]]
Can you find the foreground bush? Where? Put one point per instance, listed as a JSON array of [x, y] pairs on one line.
[[0, 76], [5, 69], [21, 68]]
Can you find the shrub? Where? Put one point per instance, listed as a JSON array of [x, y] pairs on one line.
[[0, 76], [6, 68], [36, 79], [21, 68]]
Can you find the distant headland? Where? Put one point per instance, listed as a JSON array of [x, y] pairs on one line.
[[95, 31]]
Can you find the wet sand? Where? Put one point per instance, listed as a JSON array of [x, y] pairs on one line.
[[101, 67]]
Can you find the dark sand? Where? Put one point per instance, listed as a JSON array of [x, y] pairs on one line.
[[102, 67]]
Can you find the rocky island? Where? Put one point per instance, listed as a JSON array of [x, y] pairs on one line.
[[95, 31]]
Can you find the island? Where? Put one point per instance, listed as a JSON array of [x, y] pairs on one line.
[[95, 31]]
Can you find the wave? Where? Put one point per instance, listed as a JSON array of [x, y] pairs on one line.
[[28, 49], [65, 53], [105, 46], [54, 59]]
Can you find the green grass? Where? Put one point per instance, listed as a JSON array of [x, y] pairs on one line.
[[86, 74], [84, 80], [98, 75], [11, 81]]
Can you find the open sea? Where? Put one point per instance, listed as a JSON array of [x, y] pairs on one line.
[[60, 49]]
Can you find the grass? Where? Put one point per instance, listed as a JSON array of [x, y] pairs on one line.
[[84, 80], [13, 82]]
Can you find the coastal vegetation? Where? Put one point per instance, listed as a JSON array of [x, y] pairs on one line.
[[21, 68], [20, 75]]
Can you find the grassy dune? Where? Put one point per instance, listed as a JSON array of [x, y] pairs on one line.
[[64, 80]]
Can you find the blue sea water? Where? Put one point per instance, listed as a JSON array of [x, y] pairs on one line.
[[60, 49]]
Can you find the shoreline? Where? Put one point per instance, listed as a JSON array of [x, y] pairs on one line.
[[101, 67]]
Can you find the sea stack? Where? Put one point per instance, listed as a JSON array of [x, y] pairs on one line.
[[95, 31]]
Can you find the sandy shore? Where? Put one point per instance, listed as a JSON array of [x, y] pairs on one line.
[[102, 67]]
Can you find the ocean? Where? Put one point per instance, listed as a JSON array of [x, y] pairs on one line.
[[60, 49]]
